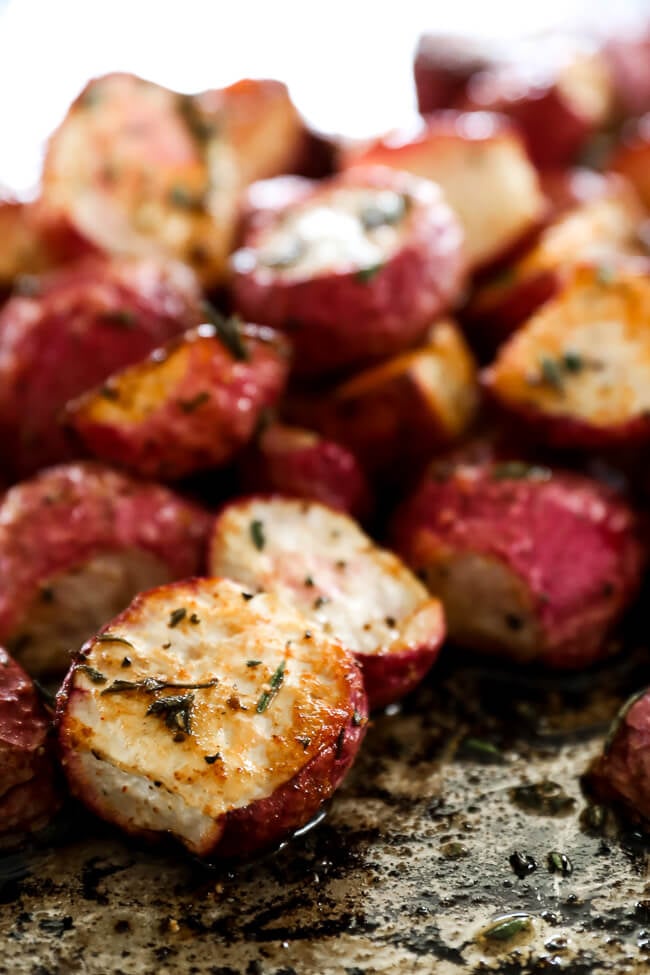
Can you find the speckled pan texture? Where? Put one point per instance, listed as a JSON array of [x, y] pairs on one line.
[[445, 824]]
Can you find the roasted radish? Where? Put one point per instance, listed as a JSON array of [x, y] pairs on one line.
[[622, 772], [188, 407], [319, 561], [578, 372], [604, 225], [210, 714], [480, 163], [72, 330], [299, 463], [395, 415], [139, 169], [28, 792], [354, 271], [76, 543], [531, 564]]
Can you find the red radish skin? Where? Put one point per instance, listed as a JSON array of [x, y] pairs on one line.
[[29, 795], [82, 323], [338, 319], [569, 546], [298, 463], [622, 772], [68, 515], [191, 406]]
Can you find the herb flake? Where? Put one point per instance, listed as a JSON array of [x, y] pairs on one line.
[[175, 710], [366, 274], [176, 616], [274, 686], [257, 534], [94, 675], [228, 331]]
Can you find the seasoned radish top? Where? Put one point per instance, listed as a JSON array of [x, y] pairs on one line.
[[586, 354], [322, 563], [336, 231], [201, 699]]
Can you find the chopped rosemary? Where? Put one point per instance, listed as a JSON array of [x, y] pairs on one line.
[[517, 470], [228, 331], [175, 710], [152, 684], [551, 372], [253, 663], [176, 616], [274, 686], [257, 534], [190, 405], [95, 675], [114, 638], [185, 199], [573, 361], [366, 274]]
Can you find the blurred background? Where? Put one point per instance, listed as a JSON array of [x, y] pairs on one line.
[[348, 63]]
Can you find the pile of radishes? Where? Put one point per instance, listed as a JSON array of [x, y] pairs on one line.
[[444, 333]]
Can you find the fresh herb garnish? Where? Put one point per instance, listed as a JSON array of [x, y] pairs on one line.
[[180, 196], [551, 372], [377, 215], [201, 127], [573, 361], [253, 663], [228, 331], [366, 274], [517, 470], [114, 638], [95, 675], [152, 684], [257, 534], [274, 686], [190, 405], [176, 711], [176, 616]]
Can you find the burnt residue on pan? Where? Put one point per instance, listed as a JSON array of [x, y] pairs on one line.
[[462, 842]]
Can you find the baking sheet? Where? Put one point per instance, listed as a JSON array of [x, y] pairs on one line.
[[404, 874]]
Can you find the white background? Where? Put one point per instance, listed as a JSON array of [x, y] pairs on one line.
[[347, 62]]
